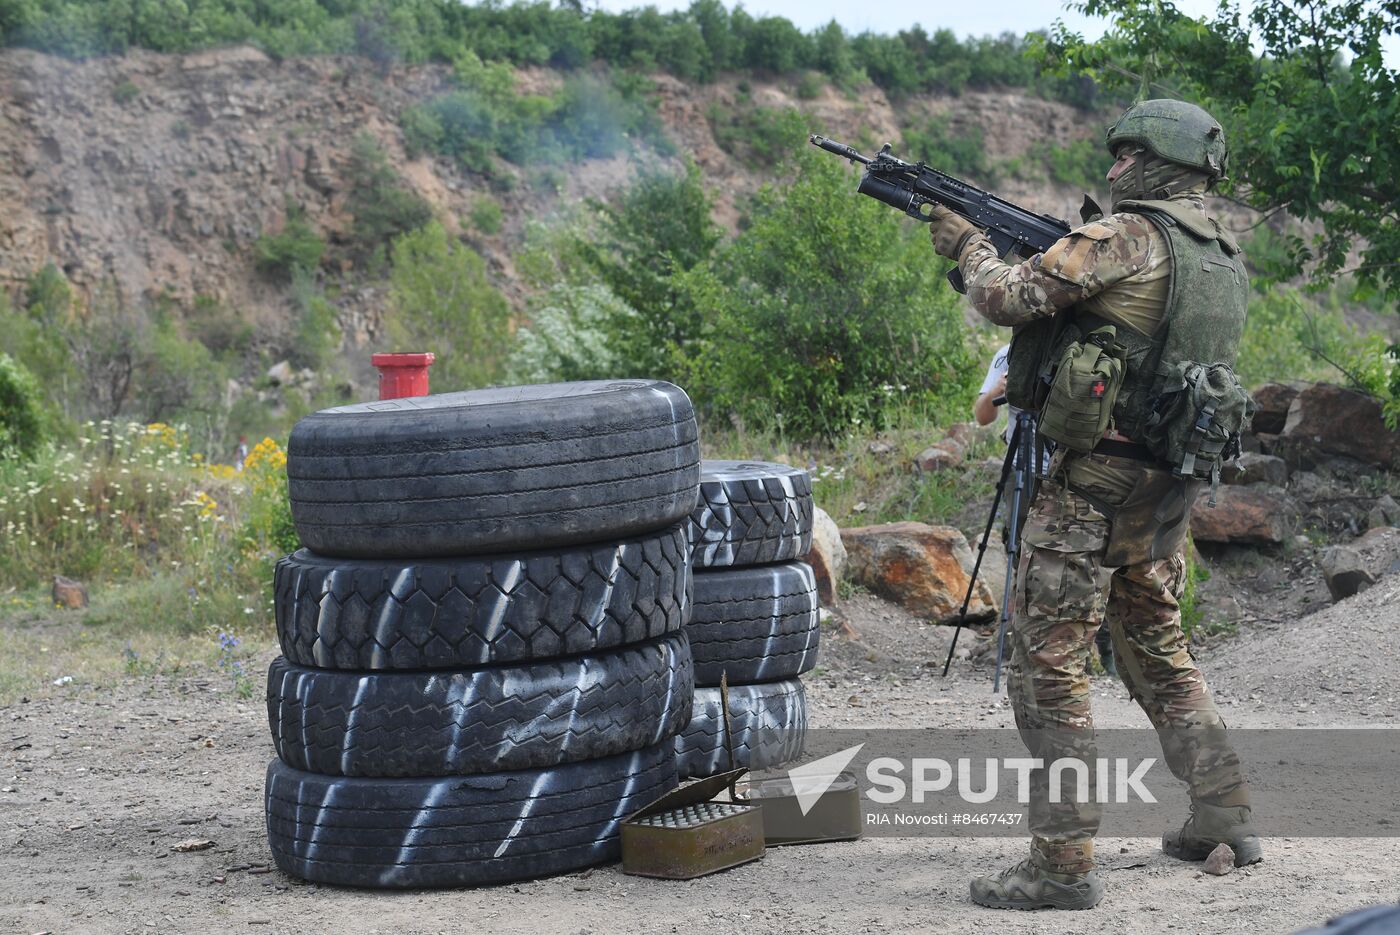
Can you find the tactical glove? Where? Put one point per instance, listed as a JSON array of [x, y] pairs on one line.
[[949, 232]]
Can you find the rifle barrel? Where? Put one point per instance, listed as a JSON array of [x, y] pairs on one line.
[[840, 149]]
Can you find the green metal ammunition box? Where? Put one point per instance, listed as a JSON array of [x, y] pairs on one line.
[[836, 816], [684, 834]]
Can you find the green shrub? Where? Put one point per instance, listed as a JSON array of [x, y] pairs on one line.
[[38, 335], [126, 91], [572, 334], [382, 206], [22, 421], [659, 229], [295, 248], [442, 301], [1287, 335], [218, 327], [1081, 164], [486, 215], [760, 137], [817, 331], [317, 334], [176, 378], [485, 118], [810, 85], [935, 143]]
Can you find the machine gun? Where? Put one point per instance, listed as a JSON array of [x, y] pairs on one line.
[[914, 187]]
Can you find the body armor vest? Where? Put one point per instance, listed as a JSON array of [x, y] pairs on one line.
[[1204, 318], [1203, 322]]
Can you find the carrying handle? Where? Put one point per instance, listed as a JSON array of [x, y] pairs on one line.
[[728, 735]]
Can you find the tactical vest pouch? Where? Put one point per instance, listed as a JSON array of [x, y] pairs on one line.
[[1197, 419], [1084, 387]]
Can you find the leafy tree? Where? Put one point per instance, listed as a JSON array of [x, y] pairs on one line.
[[382, 205], [22, 420], [572, 336], [660, 227], [1312, 118], [825, 308], [442, 302]]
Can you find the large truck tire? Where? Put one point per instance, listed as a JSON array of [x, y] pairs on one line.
[[395, 724], [769, 723], [756, 624], [462, 830], [486, 471], [453, 613], [750, 513]]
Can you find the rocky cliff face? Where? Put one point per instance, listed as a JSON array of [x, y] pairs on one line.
[[154, 174]]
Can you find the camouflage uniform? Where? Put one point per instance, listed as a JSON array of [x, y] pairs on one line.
[[1118, 268]]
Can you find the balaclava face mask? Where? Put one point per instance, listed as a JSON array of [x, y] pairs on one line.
[[1152, 178]]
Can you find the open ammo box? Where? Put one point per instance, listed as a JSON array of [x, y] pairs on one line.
[[684, 834]]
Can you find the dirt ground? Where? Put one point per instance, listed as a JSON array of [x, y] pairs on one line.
[[101, 782]]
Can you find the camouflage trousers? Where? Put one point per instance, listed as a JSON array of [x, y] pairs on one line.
[[1064, 593]]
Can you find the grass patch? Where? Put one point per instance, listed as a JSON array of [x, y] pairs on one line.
[[863, 479], [142, 628]]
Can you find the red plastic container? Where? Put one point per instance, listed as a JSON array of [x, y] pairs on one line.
[[403, 374]]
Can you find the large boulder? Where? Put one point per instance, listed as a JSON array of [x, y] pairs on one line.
[[949, 451], [1380, 547], [69, 593], [925, 569], [827, 557], [1253, 467], [1385, 512], [1329, 420], [1345, 571], [1259, 514], [940, 456], [1273, 400]]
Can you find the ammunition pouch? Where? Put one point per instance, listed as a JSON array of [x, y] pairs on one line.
[[1198, 414]]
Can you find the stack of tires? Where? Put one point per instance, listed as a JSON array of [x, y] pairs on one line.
[[755, 617], [484, 663]]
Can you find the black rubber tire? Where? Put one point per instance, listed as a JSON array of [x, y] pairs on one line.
[[769, 723], [458, 831], [756, 624], [493, 470], [482, 720], [750, 513], [454, 613]]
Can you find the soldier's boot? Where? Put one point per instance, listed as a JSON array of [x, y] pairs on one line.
[[1034, 883], [1212, 825]]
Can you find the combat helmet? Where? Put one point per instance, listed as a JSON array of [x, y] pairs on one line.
[[1176, 131]]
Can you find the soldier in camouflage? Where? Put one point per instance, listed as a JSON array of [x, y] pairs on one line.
[[1091, 555]]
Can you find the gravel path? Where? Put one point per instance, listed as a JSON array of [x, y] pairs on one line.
[[101, 784]]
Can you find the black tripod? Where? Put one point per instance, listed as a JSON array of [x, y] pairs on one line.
[[1022, 464]]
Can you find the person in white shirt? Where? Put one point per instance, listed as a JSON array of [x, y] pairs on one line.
[[994, 387]]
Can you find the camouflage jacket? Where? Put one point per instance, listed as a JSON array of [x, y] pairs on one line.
[[1118, 267]]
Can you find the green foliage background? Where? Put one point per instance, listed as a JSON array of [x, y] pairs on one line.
[[695, 44]]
